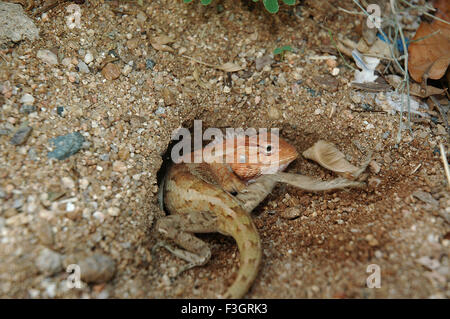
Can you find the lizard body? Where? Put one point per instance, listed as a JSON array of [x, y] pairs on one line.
[[199, 200]]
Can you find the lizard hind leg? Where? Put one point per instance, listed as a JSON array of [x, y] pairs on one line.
[[181, 228]]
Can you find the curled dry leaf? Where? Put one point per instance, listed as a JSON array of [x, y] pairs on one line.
[[414, 88], [229, 67], [328, 156], [429, 56]]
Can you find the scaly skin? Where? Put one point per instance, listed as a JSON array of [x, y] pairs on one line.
[[185, 193], [199, 201], [190, 189]]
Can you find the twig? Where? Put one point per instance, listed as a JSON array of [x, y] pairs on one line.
[[350, 12], [445, 163], [198, 61], [405, 75]]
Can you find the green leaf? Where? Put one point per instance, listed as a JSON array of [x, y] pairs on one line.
[[289, 2], [271, 5], [282, 49], [277, 51], [187, 1], [205, 2]]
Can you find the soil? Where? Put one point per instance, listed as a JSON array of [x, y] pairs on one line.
[[103, 199]]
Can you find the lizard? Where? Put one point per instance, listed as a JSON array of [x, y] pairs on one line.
[[217, 196]]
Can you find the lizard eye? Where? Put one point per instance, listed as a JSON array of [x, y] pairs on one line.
[[269, 149]]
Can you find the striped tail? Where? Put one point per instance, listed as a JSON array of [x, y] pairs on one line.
[[240, 226]]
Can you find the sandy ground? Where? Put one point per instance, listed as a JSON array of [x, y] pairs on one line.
[[102, 200]]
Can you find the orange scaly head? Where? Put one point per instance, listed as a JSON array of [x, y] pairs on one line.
[[260, 154]]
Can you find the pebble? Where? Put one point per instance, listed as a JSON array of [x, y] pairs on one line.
[[327, 82], [113, 211], [49, 262], [273, 113], [332, 63], [441, 130], [373, 182], [126, 70], [261, 62], [119, 166], [68, 182], [27, 109], [99, 216], [21, 135], [66, 145], [27, 99], [111, 71], [160, 110], [291, 213], [97, 268], [335, 72], [15, 24], [141, 17], [60, 110], [84, 183], [226, 89], [149, 64], [372, 241], [47, 56], [44, 233], [67, 62], [88, 58], [82, 67], [374, 167]]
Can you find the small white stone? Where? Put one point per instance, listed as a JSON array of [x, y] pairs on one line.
[[126, 69], [119, 166], [68, 182], [99, 215], [47, 56], [84, 183], [27, 99], [88, 58], [70, 207], [114, 211], [248, 90], [335, 71], [66, 62], [226, 89]]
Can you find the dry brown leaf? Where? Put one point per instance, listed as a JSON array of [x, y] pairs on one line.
[[430, 56], [414, 88], [328, 156], [229, 67]]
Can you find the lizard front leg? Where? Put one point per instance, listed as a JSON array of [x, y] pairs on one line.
[[180, 229]]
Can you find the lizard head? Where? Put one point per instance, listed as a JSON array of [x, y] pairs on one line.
[[261, 154]]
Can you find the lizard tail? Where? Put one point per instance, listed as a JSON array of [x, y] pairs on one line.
[[244, 232]]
